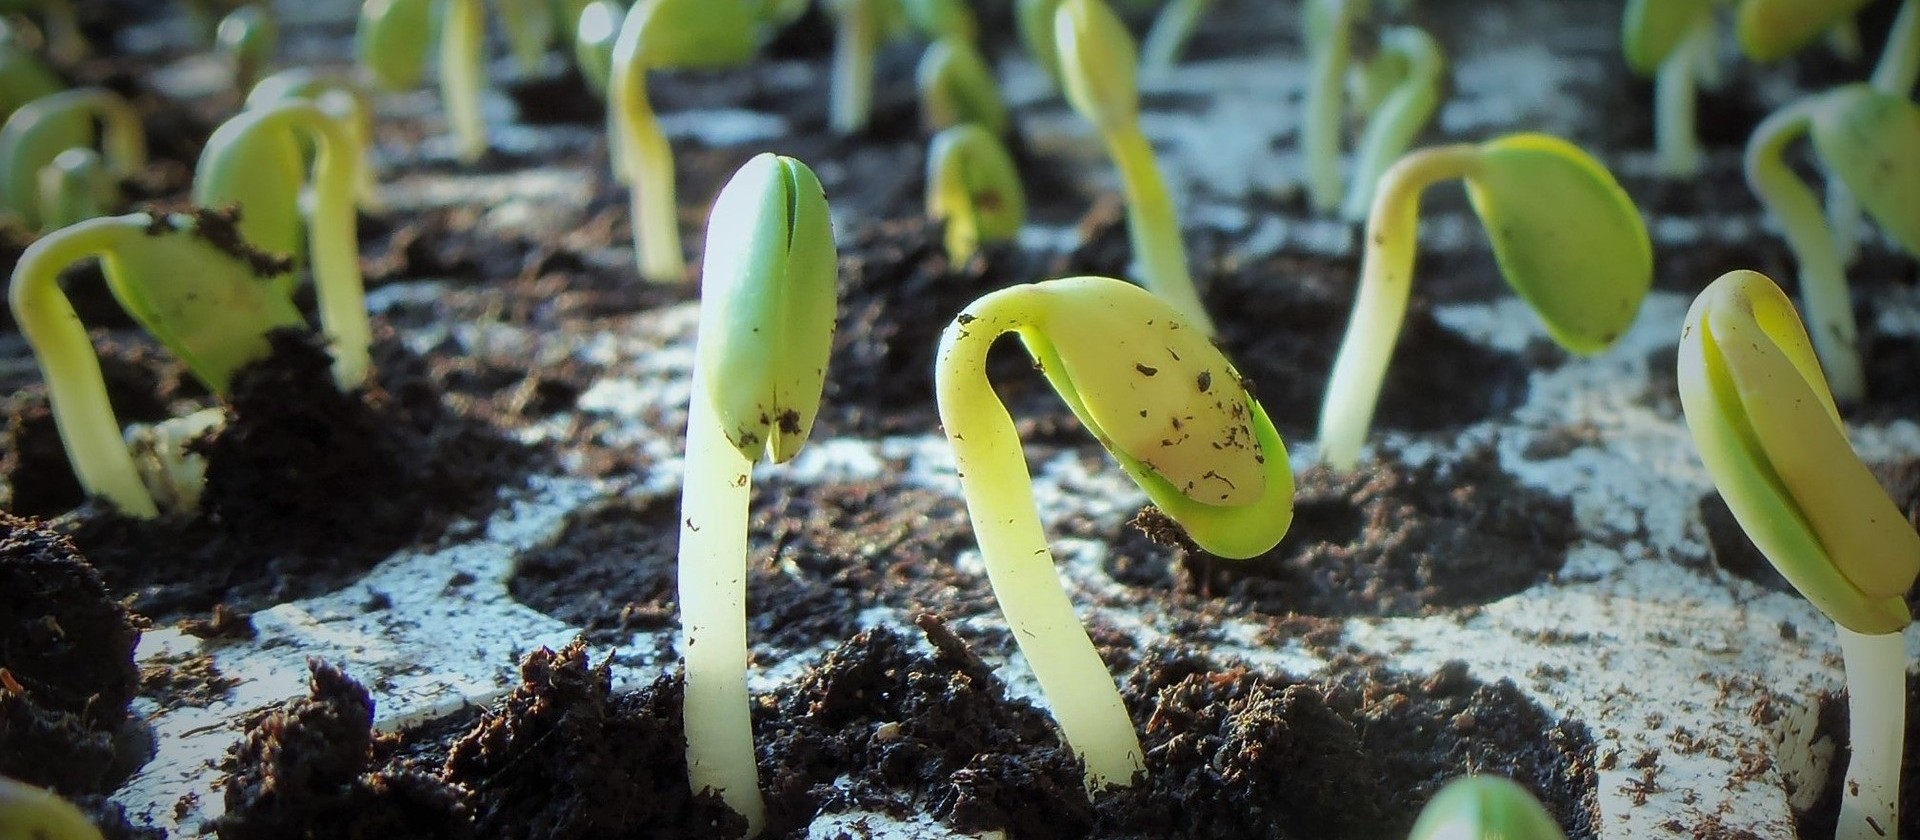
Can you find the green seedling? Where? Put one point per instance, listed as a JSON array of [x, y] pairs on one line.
[[1894, 75], [58, 25], [33, 813], [661, 34], [760, 360], [254, 162], [594, 35], [956, 87], [1097, 61], [974, 187], [75, 187], [37, 133], [1771, 437], [1329, 25], [1565, 235], [1034, 21], [341, 99], [1669, 40], [942, 19], [1171, 30], [1769, 30], [529, 25], [1402, 113], [187, 281], [860, 26], [24, 78], [1865, 140], [1485, 808], [248, 37], [392, 42], [1161, 398]]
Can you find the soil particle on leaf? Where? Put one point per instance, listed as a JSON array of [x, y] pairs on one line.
[[1233, 753], [66, 665], [918, 732], [819, 555], [563, 757], [1386, 539], [320, 483], [309, 770]]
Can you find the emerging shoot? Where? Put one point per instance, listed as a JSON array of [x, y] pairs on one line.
[[1171, 29], [1406, 109], [248, 37], [859, 28], [766, 328], [1865, 140], [529, 27], [1669, 39], [24, 78], [392, 43], [1097, 62], [37, 133], [957, 87], [974, 187], [1329, 25], [204, 301], [75, 187], [1034, 19], [339, 98], [593, 39], [661, 34], [253, 161], [1771, 437], [1769, 30], [1167, 405], [1565, 235], [1485, 808], [943, 19]]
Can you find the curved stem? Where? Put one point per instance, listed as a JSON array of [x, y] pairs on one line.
[[334, 249], [1823, 280], [855, 40], [715, 493], [75, 387], [463, 74], [1320, 133], [1876, 732], [1399, 119], [1899, 64], [1386, 282], [1171, 30], [1675, 106], [647, 159], [1153, 226], [123, 138], [1006, 521]]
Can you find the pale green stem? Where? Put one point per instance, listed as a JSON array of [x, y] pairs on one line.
[[855, 41], [75, 387], [715, 492], [1399, 118], [1823, 279], [647, 159], [1153, 226], [463, 75], [1326, 87], [1006, 522], [1169, 35], [1899, 64], [1675, 136], [1877, 733], [1386, 282], [1844, 218], [334, 248], [123, 138], [951, 201]]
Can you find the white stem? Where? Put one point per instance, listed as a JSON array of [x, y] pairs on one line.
[[1876, 731], [715, 491], [463, 74], [856, 38], [1674, 97]]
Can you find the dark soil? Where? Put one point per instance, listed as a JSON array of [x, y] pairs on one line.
[[888, 723], [320, 483], [66, 666], [1818, 822], [1387, 539]]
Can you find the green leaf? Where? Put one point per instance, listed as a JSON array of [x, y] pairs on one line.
[[767, 305], [1566, 236], [393, 40], [956, 86], [1770, 30], [255, 164], [1171, 409], [202, 295], [695, 33], [1485, 808], [30, 140], [972, 183], [1871, 140], [1768, 433], [1651, 29]]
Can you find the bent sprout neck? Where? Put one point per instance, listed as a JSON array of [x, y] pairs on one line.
[[1399, 118]]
